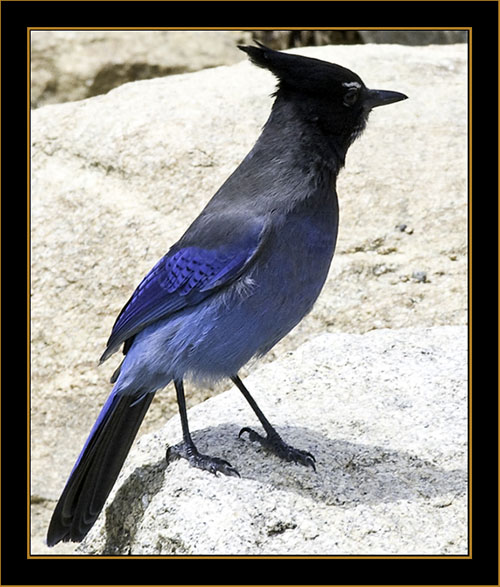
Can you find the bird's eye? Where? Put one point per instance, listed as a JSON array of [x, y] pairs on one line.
[[351, 97]]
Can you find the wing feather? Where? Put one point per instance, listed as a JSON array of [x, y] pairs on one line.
[[183, 277]]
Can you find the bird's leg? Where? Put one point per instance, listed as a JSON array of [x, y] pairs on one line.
[[272, 441], [187, 449]]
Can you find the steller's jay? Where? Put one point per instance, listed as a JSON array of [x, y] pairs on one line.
[[245, 272]]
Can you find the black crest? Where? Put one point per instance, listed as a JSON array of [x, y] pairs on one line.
[[301, 73]]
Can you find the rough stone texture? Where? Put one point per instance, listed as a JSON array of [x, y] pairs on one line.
[[72, 65], [385, 414], [117, 178], [414, 37]]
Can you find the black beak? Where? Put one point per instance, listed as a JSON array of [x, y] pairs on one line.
[[381, 98]]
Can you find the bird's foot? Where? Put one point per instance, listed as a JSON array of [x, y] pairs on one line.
[[200, 461], [274, 443]]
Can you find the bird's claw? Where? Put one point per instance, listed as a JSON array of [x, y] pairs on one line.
[[274, 443], [196, 459]]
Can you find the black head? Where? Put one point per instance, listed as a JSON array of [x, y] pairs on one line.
[[331, 95]]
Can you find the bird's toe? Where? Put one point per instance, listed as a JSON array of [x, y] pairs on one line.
[[275, 444]]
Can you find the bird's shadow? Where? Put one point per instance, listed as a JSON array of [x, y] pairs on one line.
[[348, 474]]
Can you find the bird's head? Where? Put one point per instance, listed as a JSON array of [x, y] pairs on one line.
[[331, 96]]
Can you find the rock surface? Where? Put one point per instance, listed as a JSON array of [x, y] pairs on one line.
[[414, 37], [73, 65], [117, 178], [384, 413]]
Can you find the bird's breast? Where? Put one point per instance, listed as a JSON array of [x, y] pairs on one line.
[[291, 271]]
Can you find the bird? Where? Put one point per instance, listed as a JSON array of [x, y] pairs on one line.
[[245, 273]]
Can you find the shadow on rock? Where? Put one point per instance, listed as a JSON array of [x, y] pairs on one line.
[[348, 474]]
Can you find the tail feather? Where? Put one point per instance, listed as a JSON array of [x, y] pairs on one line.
[[97, 467]]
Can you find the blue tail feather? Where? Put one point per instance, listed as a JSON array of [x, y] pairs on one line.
[[97, 467]]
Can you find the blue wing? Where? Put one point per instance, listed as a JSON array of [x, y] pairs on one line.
[[183, 277]]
